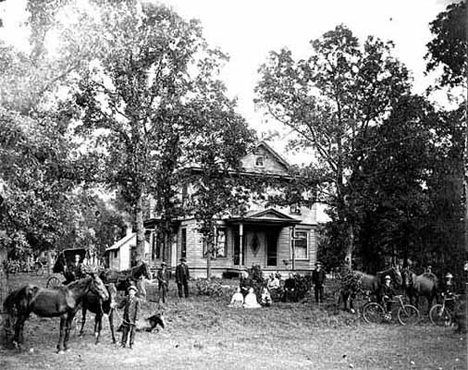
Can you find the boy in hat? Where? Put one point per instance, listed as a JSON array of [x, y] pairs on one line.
[[318, 278], [163, 281], [386, 293], [182, 277], [131, 306]]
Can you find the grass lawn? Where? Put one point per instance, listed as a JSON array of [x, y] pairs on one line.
[[203, 333]]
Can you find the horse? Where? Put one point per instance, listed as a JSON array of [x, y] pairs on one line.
[[420, 285], [63, 302], [357, 281], [92, 302], [123, 279]]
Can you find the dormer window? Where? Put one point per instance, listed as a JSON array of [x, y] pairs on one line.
[[260, 161], [295, 209]]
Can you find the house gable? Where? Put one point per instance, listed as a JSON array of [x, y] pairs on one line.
[[263, 159], [270, 213]]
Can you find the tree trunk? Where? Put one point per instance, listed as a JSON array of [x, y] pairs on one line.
[[466, 157], [350, 247], [466, 164], [140, 230], [208, 265]]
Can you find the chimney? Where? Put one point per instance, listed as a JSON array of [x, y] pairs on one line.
[[128, 230]]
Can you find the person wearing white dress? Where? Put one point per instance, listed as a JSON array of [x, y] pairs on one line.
[[237, 299], [251, 300]]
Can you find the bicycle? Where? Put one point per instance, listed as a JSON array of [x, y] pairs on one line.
[[441, 314], [375, 313]]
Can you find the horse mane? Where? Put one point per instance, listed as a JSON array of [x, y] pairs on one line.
[[80, 282]]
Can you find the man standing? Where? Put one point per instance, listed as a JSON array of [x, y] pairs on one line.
[[182, 277], [318, 278], [131, 306], [163, 281]]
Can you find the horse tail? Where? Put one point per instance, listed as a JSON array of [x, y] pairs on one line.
[[9, 303]]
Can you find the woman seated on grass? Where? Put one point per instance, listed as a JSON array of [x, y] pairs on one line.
[[251, 300], [237, 299]]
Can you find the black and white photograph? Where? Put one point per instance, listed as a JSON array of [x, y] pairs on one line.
[[220, 184]]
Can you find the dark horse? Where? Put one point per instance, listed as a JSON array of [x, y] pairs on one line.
[[123, 279], [417, 285], [93, 303], [63, 302], [357, 281]]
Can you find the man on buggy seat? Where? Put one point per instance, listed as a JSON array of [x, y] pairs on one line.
[[74, 270]]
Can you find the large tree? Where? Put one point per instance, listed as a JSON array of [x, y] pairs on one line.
[[219, 189], [141, 100], [448, 49], [35, 142], [331, 100], [40, 168]]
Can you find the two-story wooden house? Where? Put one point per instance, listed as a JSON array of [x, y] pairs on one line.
[[278, 239]]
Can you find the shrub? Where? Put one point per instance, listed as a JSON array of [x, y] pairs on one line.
[[210, 288]]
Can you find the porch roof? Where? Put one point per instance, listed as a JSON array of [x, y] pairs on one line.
[[267, 217]]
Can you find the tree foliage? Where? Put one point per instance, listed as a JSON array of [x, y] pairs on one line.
[[449, 46], [331, 100], [150, 100]]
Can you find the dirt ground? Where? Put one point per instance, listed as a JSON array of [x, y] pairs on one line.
[[203, 333]]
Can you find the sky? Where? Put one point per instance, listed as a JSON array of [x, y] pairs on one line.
[[247, 30]]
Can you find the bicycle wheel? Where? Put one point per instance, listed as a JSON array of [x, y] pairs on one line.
[[408, 315], [439, 315], [373, 313], [53, 282]]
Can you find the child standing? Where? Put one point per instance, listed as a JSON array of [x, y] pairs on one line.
[[131, 306]]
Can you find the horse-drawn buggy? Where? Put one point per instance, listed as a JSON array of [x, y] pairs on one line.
[[69, 263]]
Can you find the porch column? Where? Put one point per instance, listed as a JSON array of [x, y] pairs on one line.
[[241, 243], [293, 247]]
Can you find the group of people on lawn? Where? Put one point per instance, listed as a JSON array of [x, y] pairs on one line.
[[272, 288]]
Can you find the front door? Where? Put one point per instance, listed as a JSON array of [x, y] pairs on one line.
[[272, 246]]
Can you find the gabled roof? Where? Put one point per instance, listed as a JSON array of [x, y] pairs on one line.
[[272, 164], [125, 240], [267, 217], [271, 213], [279, 158], [121, 242]]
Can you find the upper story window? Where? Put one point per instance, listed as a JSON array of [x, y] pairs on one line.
[[260, 161]]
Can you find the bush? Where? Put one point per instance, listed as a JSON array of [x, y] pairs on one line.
[[210, 288]]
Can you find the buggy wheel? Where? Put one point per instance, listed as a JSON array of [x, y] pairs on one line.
[[53, 282], [373, 313], [408, 315], [440, 316]]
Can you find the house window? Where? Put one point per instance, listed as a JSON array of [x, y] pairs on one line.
[[184, 194], [301, 244], [183, 243], [116, 253], [156, 247], [295, 209], [221, 242], [260, 161]]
